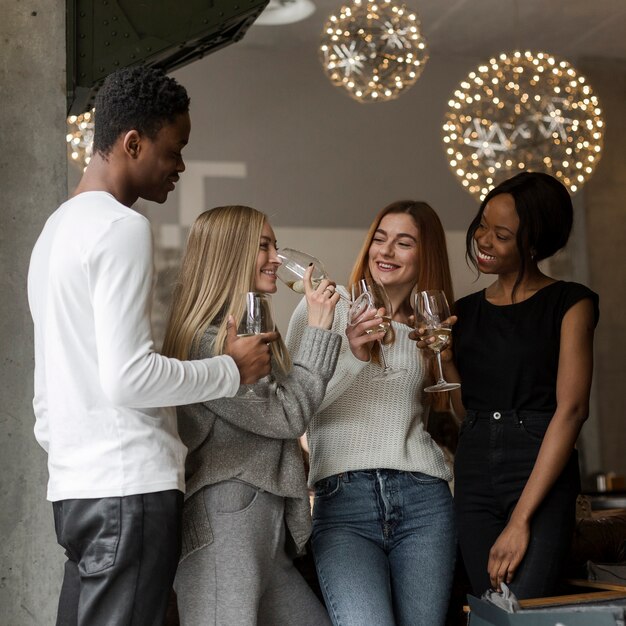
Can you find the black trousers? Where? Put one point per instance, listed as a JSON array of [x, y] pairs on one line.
[[496, 454], [122, 556]]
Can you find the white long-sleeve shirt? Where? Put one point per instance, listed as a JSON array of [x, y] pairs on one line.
[[99, 384], [366, 424]]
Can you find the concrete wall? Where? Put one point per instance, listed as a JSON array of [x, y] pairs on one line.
[[32, 162]]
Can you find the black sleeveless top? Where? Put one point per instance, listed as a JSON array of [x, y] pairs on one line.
[[508, 355]]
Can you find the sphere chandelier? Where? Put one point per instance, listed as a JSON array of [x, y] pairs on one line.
[[523, 111], [80, 129], [373, 50]]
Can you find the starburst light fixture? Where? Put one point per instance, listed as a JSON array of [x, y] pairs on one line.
[[523, 111], [373, 50], [79, 137]]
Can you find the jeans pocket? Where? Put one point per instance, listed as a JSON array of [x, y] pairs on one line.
[[424, 479], [534, 427], [327, 487], [231, 497]]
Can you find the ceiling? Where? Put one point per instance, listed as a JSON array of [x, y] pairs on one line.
[[572, 29]]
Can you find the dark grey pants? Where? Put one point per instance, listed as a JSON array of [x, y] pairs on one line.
[[122, 555]]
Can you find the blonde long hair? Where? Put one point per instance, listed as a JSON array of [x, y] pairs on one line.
[[218, 268], [433, 266]]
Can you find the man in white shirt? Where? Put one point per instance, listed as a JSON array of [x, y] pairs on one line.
[[115, 460]]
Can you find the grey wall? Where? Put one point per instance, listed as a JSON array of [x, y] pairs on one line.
[[316, 159], [32, 162]]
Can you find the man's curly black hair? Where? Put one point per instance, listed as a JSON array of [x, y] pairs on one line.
[[136, 98]]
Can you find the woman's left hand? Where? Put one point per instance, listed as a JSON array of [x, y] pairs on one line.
[[321, 301], [507, 553]]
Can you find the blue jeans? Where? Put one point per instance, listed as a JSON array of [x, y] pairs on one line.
[[384, 547]]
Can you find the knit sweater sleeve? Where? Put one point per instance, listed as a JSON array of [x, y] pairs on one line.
[[348, 366], [282, 408]]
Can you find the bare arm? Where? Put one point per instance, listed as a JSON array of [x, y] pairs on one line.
[[572, 390]]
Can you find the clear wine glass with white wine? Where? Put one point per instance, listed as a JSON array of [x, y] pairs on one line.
[[363, 300], [431, 313], [258, 318], [293, 266]]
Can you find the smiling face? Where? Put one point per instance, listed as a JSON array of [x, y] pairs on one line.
[[393, 253], [495, 237], [267, 262], [160, 161]]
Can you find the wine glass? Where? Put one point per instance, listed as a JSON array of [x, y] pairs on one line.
[[258, 318], [362, 301], [431, 313], [293, 266]]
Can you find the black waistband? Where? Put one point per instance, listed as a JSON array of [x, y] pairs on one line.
[[506, 413]]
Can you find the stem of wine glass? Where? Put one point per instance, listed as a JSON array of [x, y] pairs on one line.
[[441, 380], [383, 358]]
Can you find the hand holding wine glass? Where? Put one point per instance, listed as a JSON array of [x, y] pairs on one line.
[[251, 354], [362, 332], [293, 267], [432, 320], [363, 302], [321, 300]]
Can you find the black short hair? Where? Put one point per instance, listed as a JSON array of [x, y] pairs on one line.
[[545, 212], [136, 98]]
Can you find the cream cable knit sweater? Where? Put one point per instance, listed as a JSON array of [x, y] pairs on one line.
[[365, 424]]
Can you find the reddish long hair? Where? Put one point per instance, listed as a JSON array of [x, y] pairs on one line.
[[433, 267]]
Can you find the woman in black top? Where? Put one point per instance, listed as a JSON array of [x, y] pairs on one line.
[[523, 352]]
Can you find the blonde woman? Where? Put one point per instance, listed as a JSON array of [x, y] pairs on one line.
[[246, 511]]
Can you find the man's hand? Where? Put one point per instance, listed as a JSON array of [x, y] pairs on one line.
[[251, 354]]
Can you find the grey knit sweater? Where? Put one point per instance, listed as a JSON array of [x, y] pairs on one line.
[[256, 441]]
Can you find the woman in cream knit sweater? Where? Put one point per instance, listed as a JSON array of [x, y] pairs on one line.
[[383, 531]]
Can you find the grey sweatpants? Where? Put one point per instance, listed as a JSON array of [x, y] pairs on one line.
[[244, 577]]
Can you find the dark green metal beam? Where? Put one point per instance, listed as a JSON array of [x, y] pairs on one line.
[[105, 35]]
